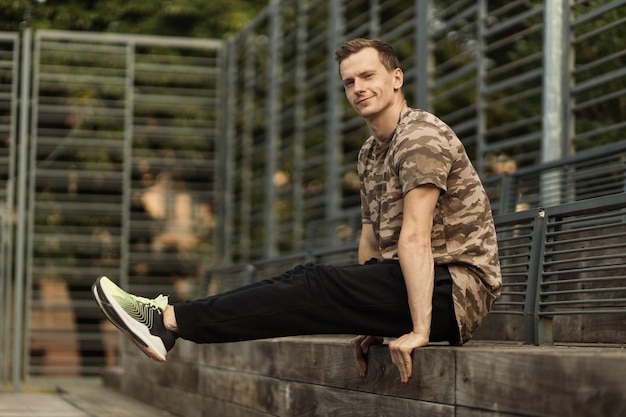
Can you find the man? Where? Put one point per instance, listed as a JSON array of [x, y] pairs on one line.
[[429, 268]]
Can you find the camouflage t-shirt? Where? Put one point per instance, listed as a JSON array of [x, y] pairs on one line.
[[424, 150]]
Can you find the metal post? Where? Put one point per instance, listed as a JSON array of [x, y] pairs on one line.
[[226, 159], [553, 132], [422, 55], [481, 59], [18, 318], [333, 113], [3, 290], [374, 19], [273, 130], [249, 103], [299, 134], [531, 302], [6, 264], [127, 164]]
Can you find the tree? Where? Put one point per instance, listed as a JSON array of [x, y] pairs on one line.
[[192, 18]]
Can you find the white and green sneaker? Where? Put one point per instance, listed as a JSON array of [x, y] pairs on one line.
[[141, 319]]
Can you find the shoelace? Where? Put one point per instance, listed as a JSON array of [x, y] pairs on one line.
[[158, 303]]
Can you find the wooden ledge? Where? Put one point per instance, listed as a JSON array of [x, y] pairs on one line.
[[316, 376]]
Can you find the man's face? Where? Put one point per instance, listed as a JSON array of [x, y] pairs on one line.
[[369, 86]]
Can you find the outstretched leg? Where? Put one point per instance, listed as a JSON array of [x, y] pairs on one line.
[[312, 299]]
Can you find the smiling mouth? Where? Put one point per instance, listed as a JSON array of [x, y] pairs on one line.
[[363, 100]]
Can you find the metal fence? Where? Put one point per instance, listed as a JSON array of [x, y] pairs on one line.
[[9, 66], [591, 173], [115, 175], [149, 158], [563, 272], [521, 82]]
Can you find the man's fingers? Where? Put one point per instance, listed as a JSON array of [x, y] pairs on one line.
[[360, 347], [408, 365], [403, 361], [359, 355]]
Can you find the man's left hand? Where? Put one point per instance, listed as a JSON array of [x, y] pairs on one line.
[[401, 350]]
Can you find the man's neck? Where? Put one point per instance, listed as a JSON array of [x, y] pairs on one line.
[[383, 126]]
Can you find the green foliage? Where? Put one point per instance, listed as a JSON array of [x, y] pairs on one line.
[[192, 18]]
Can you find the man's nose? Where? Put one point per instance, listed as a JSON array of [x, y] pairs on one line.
[[359, 85]]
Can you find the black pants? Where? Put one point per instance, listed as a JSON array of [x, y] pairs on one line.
[[317, 299]]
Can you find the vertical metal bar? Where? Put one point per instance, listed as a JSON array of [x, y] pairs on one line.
[[247, 146], [481, 64], [226, 158], [422, 41], [333, 112], [3, 282], [505, 186], [567, 81], [542, 327], [9, 210], [553, 132], [3, 291], [217, 192], [532, 285], [374, 19], [21, 211], [127, 182], [248, 274], [299, 133], [508, 200], [568, 184], [32, 176], [272, 142]]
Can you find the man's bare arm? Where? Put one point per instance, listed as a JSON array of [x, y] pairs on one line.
[[417, 263]]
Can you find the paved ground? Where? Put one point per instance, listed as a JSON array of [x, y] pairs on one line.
[[73, 398]]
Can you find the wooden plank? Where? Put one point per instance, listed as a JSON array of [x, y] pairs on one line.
[[331, 362], [277, 397], [216, 408], [253, 391], [176, 401], [328, 360], [184, 376], [472, 412], [604, 328], [257, 356], [308, 400], [550, 381], [35, 405], [505, 327], [184, 350], [96, 400]]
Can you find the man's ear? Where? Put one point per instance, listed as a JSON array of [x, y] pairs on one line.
[[398, 77]]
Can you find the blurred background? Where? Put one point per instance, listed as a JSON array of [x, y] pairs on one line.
[[154, 141]]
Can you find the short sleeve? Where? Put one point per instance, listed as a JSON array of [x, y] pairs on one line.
[[363, 175], [422, 156]]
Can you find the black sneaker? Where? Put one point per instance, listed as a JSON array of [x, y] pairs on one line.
[[141, 319]]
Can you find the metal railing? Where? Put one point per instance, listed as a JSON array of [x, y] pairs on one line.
[[270, 142], [522, 83], [518, 249], [113, 166], [583, 271], [591, 173], [562, 261]]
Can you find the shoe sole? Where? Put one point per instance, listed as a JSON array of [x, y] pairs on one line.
[[115, 316]]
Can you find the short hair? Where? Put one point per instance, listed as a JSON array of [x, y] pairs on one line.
[[386, 52]]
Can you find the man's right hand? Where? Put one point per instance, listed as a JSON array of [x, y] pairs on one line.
[[360, 347]]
